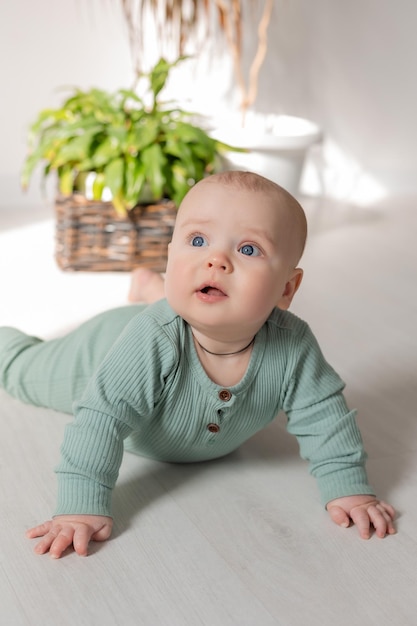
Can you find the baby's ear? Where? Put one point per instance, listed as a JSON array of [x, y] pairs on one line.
[[291, 288]]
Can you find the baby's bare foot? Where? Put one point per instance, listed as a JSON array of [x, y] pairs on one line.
[[145, 286]]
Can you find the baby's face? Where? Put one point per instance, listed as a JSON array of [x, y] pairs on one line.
[[230, 259]]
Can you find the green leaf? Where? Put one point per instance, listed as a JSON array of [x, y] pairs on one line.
[[74, 150], [127, 95], [135, 181], [154, 162], [158, 77], [142, 135], [118, 133], [66, 180], [119, 204], [113, 176], [106, 151], [180, 183], [47, 117], [177, 148], [29, 165], [98, 186]]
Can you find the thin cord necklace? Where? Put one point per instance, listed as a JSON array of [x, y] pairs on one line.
[[225, 353]]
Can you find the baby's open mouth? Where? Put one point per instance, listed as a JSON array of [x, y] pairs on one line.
[[212, 291]]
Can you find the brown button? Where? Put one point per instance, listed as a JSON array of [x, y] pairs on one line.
[[225, 395], [213, 428]]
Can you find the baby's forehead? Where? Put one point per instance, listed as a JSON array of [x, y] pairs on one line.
[[255, 214], [206, 191]]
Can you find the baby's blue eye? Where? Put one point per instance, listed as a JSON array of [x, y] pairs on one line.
[[249, 250], [198, 241]]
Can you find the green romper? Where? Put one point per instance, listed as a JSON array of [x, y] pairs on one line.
[[133, 379]]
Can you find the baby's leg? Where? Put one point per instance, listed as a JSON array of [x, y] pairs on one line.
[[146, 286], [16, 349], [55, 373], [13, 343]]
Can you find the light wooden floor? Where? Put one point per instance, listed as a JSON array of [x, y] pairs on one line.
[[242, 541]]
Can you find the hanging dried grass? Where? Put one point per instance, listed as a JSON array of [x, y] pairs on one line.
[[182, 21], [176, 21]]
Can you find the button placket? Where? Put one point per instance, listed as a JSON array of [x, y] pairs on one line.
[[225, 396]]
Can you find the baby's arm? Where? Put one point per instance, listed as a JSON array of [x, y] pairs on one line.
[[364, 511], [63, 531]]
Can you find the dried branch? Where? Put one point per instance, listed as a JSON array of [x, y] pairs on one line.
[[231, 22], [260, 54]]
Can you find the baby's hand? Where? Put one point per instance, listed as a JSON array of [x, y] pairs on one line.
[[363, 511], [66, 530]]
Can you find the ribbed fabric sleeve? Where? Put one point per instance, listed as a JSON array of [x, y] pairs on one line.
[[325, 428], [90, 461], [122, 392]]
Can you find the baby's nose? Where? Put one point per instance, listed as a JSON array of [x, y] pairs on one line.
[[219, 261]]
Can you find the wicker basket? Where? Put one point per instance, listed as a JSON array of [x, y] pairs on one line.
[[91, 236]]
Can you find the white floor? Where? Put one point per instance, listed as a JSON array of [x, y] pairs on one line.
[[242, 541]]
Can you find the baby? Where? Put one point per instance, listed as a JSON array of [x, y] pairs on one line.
[[195, 374]]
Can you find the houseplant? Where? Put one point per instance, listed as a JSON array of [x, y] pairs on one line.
[[143, 157]]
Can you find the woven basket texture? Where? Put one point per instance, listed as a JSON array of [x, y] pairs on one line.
[[92, 237]]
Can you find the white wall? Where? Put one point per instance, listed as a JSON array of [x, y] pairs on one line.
[[45, 45], [347, 65], [351, 67]]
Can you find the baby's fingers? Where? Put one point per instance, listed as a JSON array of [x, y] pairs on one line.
[[49, 534], [338, 516], [382, 516], [362, 520], [57, 538], [56, 541], [389, 510], [81, 539], [379, 514], [39, 531]]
